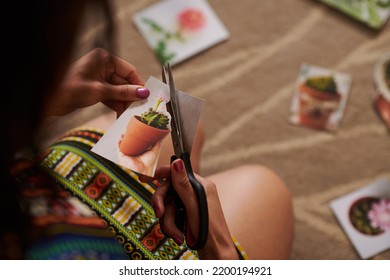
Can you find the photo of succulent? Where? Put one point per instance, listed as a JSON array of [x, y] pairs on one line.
[[155, 118], [381, 97], [364, 215], [319, 98], [145, 130], [324, 84], [359, 217], [135, 139]]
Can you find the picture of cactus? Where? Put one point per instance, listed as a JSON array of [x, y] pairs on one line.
[[364, 215], [134, 139], [359, 216], [324, 84], [155, 118], [373, 13], [319, 97], [145, 130], [381, 96]]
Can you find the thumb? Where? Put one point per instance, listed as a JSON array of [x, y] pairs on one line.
[[125, 93]]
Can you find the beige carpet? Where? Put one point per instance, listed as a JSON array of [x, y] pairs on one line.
[[247, 84]]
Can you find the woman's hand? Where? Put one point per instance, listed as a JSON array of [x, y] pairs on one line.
[[144, 163], [97, 77], [219, 243]]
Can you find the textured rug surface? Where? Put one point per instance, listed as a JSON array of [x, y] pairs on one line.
[[247, 83]]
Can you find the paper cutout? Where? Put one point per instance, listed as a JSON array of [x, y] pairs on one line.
[[364, 215], [319, 98], [373, 13], [145, 161], [381, 98]]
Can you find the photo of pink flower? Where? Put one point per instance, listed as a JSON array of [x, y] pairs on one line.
[[379, 214], [358, 215], [364, 215], [191, 20], [176, 30]]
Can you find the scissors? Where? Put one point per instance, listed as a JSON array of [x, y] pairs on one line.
[[180, 152]]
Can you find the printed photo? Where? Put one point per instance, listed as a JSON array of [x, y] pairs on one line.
[[382, 87], [319, 98], [134, 140], [373, 13], [364, 215], [176, 30]]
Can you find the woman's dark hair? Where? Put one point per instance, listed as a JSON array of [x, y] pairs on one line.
[[38, 43]]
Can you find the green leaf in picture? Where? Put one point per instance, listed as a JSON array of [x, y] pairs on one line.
[[153, 25], [374, 18], [161, 53]]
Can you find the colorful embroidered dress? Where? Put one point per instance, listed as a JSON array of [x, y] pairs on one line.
[[94, 209]]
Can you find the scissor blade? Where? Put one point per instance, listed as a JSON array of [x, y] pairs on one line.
[[175, 115], [164, 75], [172, 93]]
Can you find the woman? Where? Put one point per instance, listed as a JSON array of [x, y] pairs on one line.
[[51, 213]]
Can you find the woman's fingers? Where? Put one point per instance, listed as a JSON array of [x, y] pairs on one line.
[[127, 71], [163, 203], [164, 209], [167, 222], [119, 97], [186, 193], [158, 199]]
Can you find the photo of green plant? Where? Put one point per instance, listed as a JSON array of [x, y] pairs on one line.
[[319, 98], [373, 13]]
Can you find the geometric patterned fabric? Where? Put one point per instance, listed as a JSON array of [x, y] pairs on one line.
[[114, 194]]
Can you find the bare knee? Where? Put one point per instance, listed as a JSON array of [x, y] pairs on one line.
[[263, 178], [274, 202], [259, 212], [260, 178]]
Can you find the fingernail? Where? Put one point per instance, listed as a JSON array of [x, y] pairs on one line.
[[142, 92], [178, 166]]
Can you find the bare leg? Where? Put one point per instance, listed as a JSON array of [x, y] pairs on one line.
[[258, 210]]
